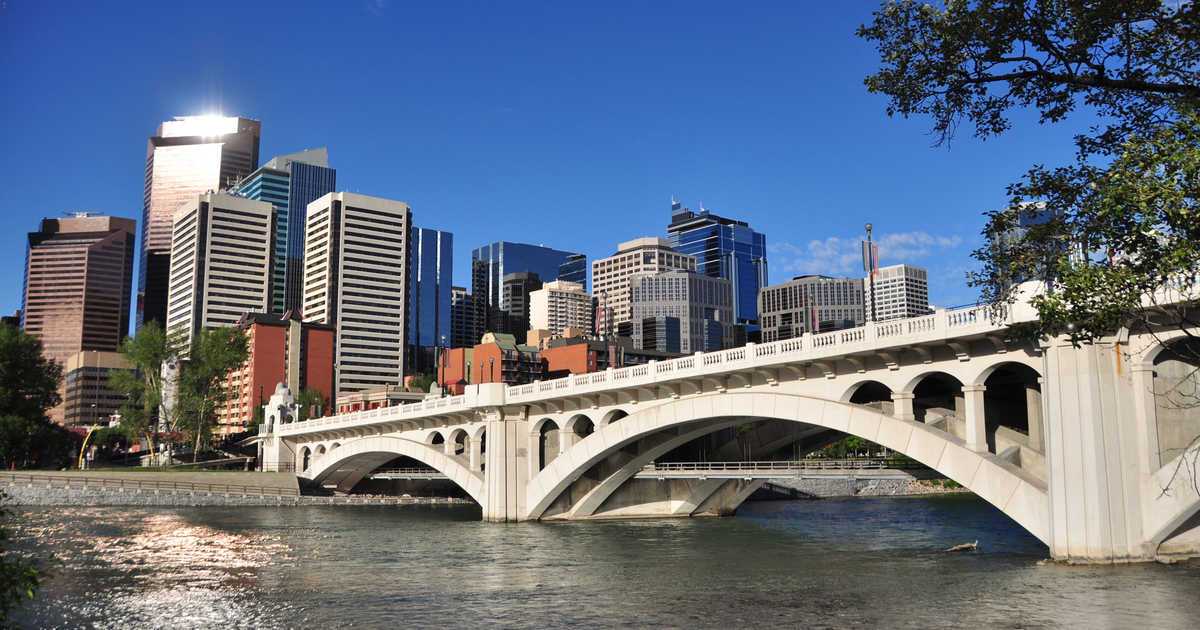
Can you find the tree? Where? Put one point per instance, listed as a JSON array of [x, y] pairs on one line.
[[28, 387], [146, 351], [307, 401], [19, 578], [1111, 233], [1122, 221], [214, 353]]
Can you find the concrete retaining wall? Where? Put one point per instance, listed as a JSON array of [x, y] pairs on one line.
[[829, 488], [35, 495]]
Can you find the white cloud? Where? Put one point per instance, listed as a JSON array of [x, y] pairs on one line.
[[843, 256]]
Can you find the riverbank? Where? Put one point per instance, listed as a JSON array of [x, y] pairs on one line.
[[816, 488], [42, 496], [177, 489]]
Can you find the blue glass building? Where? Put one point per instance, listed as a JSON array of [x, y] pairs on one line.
[[490, 263], [431, 274], [289, 183], [724, 248]]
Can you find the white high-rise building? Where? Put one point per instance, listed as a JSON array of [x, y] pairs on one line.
[[356, 250], [558, 305], [610, 276], [220, 263], [900, 291]]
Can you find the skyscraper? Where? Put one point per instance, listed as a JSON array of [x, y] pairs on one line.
[[611, 277], [220, 263], [356, 267], [702, 305], [185, 157], [466, 318], [490, 263], [724, 248], [289, 182], [78, 275], [514, 300], [431, 273]]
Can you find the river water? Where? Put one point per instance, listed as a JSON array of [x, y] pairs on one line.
[[832, 563]]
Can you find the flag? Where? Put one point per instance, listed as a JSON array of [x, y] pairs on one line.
[[870, 257]]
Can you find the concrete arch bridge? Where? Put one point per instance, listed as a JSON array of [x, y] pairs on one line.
[[1072, 443]]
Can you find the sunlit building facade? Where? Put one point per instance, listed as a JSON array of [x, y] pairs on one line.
[[185, 157], [78, 277], [356, 265], [220, 263], [289, 183]]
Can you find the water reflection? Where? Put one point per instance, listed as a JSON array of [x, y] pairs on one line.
[[826, 564]]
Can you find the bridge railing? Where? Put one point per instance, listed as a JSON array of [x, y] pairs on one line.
[[799, 465], [415, 473], [940, 325]]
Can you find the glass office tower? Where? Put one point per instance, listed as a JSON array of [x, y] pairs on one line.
[[186, 157], [490, 263], [289, 182], [724, 248], [431, 274]]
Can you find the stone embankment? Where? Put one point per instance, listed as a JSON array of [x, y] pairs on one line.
[[150, 489], [847, 487]]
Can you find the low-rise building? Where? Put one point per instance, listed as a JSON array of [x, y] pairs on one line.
[[498, 358], [282, 349], [88, 399], [376, 397]]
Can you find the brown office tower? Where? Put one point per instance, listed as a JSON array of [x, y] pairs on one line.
[[187, 156], [78, 272]]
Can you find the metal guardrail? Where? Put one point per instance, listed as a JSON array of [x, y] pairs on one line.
[[407, 473], [73, 481]]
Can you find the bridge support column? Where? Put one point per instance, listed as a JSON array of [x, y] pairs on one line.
[[1095, 489], [975, 417], [1033, 411], [506, 471], [903, 405]]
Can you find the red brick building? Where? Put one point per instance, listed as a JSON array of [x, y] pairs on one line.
[[283, 349], [500, 360]]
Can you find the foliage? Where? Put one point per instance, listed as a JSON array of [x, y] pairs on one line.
[[214, 353], [19, 578], [1118, 225], [422, 382], [309, 401], [847, 447], [28, 387], [146, 351]]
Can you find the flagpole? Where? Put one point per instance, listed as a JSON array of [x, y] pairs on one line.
[[869, 261]]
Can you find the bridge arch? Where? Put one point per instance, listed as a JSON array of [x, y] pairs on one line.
[[459, 441], [1016, 493], [867, 391], [357, 458], [612, 416]]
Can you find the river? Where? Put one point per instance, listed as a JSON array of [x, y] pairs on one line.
[[832, 563]]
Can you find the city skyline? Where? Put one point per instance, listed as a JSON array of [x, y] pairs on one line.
[[794, 167]]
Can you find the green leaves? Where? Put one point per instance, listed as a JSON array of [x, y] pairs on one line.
[[28, 387], [1130, 60], [1110, 231]]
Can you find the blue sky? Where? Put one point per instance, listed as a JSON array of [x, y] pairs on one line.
[[557, 123]]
